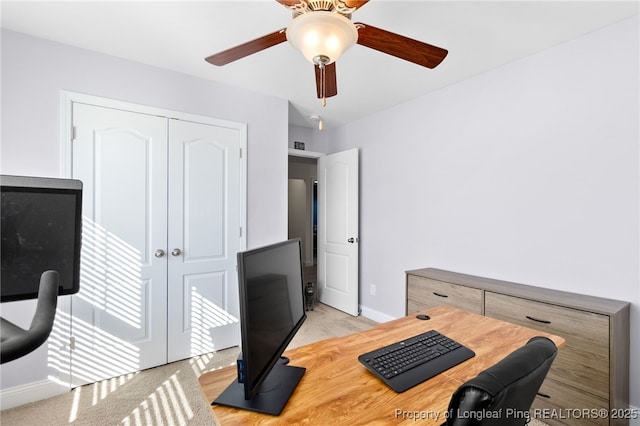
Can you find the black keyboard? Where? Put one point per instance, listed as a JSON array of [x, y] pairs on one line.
[[403, 365]]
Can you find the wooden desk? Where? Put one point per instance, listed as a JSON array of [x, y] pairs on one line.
[[336, 389]]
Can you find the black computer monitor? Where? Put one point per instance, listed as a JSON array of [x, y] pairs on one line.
[[271, 312], [41, 228]]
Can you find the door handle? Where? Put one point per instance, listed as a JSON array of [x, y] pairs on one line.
[[175, 252], [352, 240], [159, 253]]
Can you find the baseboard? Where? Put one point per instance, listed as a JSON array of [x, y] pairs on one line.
[[31, 392], [375, 315]]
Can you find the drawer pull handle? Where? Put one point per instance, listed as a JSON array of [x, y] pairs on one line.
[[544, 395], [440, 295], [538, 320]]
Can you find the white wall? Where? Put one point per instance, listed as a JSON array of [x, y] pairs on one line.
[[35, 71], [527, 173], [298, 212], [312, 138]]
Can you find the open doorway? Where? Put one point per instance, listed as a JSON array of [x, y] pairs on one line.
[[303, 210], [332, 257], [302, 221]]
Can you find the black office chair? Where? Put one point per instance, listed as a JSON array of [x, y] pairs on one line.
[[16, 342], [502, 394]]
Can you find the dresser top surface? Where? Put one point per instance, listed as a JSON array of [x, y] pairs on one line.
[[557, 297]]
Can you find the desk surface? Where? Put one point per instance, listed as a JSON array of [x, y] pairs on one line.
[[337, 389]]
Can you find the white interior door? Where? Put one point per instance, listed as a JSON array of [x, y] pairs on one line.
[[204, 237], [164, 208], [119, 315], [338, 230]]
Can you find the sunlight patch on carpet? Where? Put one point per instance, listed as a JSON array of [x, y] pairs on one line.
[[167, 403]]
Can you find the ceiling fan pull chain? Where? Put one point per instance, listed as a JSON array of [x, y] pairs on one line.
[[323, 85], [321, 61]]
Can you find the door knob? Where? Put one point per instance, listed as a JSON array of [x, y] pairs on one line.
[[352, 240], [159, 253], [175, 252]]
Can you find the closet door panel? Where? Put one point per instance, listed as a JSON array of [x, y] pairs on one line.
[[204, 201], [119, 315], [204, 238]]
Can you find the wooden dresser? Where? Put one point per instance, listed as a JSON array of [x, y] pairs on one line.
[[589, 381]]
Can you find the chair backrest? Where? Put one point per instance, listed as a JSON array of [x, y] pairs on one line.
[[503, 394], [15, 341]]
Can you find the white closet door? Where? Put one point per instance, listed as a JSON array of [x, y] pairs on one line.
[[119, 315], [204, 237]]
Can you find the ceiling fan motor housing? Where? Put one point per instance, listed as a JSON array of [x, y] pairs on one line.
[[320, 4], [304, 6]]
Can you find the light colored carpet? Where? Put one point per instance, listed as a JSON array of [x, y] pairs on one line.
[[165, 395]]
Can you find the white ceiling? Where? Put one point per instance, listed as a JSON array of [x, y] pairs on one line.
[[178, 35]]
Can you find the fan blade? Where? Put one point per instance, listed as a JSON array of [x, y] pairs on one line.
[[349, 3], [248, 48], [356, 3], [289, 2], [330, 83], [400, 46]]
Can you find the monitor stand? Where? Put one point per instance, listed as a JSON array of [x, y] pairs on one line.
[[272, 396]]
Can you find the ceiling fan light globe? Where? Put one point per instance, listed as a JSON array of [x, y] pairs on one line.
[[322, 33]]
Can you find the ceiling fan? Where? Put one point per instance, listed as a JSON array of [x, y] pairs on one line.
[[322, 30]]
